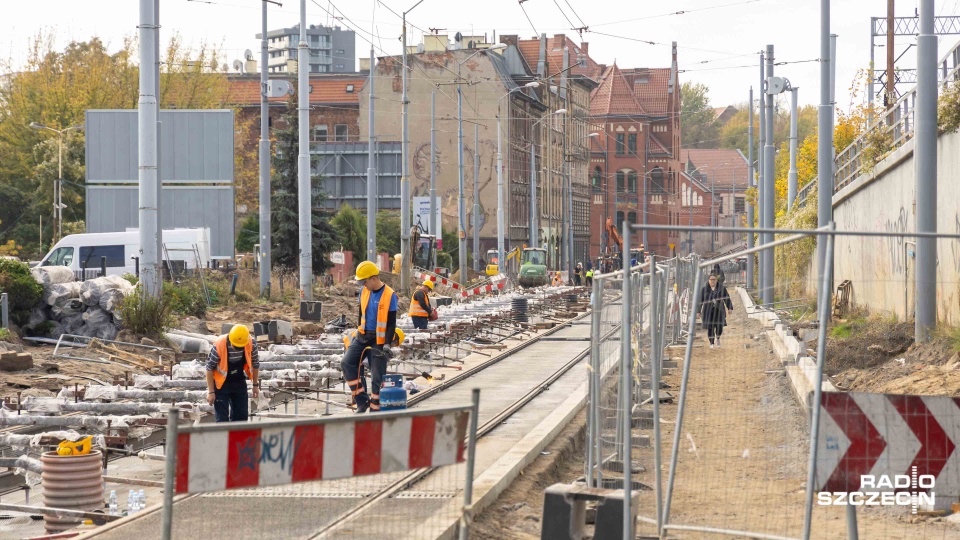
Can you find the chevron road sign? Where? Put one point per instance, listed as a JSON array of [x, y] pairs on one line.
[[870, 443]]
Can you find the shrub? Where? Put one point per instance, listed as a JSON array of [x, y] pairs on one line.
[[444, 260], [5, 335], [22, 290], [132, 279], [146, 316], [186, 298], [948, 110]]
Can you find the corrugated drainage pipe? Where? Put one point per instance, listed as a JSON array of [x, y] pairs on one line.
[[71, 482]]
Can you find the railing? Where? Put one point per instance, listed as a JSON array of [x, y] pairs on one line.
[[898, 121]]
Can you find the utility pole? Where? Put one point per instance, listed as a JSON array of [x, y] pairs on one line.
[[371, 174], [304, 208], [713, 210], [461, 204], [750, 183], [761, 173], [926, 163], [890, 97], [534, 228], [432, 221], [476, 197], [406, 255], [825, 150], [501, 264], [792, 175], [147, 117], [768, 188], [265, 264]]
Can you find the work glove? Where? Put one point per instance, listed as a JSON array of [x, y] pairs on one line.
[[387, 351]]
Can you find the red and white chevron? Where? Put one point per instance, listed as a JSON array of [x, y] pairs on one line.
[[243, 455], [887, 434], [438, 279]]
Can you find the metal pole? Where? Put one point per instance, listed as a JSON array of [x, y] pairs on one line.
[[406, 253], [691, 329], [501, 264], [5, 310], [304, 207], [768, 188], [592, 404], [265, 264], [476, 198], [147, 129], [461, 204], [872, 74], [655, 336], [750, 183], [471, 459], [626, 361], [761, 172], [58, 188], [533, 195], [371, 173], [713, 210], [156, 92], [170, 476], [825, 150], [792, 175], [889, 95], [824, 308], [926, 160], [434, 223]]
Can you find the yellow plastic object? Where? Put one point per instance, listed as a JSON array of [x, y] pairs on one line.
[[493, 269], [78, 448], [400, 336], [239, 336]]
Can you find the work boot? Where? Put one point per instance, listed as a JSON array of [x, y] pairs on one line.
[[363, 407]]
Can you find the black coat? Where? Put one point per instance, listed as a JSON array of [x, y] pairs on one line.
[[714, 305]]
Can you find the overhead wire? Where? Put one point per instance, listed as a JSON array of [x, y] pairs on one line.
[[679, 12], [525, 14]]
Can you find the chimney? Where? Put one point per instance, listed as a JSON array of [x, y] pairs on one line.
[[673, 70], [585, 47], [509, 39], [559, 41]]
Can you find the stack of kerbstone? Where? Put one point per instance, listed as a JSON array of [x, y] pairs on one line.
[[14, 361], [87, 308]]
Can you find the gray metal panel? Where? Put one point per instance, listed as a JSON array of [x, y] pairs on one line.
[[115, 208], [195, 146], [352, 176]]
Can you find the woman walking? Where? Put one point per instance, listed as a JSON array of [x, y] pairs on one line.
[[714, 304]]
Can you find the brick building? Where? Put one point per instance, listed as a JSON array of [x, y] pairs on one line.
[[725, 173]]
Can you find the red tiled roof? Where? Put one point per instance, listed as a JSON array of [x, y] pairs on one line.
[[721, 165], [650, 86], [530, 50], [613, 96], [657, 147], [246, 91]]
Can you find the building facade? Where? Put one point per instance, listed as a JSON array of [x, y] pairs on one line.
[[725, 172], [332, 49]]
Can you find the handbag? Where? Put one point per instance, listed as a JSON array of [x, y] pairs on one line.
[[434, 315]]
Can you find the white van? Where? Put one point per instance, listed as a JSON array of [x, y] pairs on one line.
[[85, 251]]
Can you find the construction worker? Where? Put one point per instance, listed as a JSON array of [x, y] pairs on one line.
[[377, 320], [420, 305], [232, 360], [376, 360], [557, 280], [589, 276]]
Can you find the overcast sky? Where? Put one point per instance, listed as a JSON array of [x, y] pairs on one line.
[[719, 39]]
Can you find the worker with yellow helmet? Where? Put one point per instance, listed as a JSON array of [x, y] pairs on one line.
[[233, 359], [377, 320], [420, 306]]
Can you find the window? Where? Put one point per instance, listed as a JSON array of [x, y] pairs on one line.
[[349, 86], [739, 205], [632, 181], [340, 66], [340, 51], [656, 180], [620, 144], [319, 133], [62, 256], [620, 182], [340, 132], [597, 179], [632, 144], [632, 217], [90, 256], [619, 221]]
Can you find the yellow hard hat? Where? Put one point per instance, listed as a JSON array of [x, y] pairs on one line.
[[366, 270], [400, 336], [428, 284], [239, 336]]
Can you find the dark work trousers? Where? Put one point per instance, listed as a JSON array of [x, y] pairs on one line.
[[420, 323], [231, 405], [378, 368], [351, 367], [714, 329]]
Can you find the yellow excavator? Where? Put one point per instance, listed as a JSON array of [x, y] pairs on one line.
[[512, 259]]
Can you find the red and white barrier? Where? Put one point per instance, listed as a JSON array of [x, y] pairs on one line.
[[241, 455], [496, 283]]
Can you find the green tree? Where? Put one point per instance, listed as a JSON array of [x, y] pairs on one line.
[[388, 232], [452, 248], [351, 227], [285, 228], [249, 233], [697, 127]]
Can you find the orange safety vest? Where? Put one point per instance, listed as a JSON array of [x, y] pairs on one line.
[[382, 310], [220, 374], [416, 310]]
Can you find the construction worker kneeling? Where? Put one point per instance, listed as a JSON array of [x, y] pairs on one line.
[[378, 319]]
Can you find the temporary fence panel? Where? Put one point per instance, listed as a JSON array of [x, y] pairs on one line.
[[401, 473]]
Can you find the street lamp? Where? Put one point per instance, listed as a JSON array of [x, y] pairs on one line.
[[461, 205], [500, 217], [58, 205], [569, 204], [690, 205]]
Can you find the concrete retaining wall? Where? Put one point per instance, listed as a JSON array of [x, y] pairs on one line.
[[885, 200]]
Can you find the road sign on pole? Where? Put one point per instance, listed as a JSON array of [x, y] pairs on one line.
[[872, 439]]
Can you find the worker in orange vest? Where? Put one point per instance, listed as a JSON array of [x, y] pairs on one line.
[[420, 306], [233, 359], [369, 355], [378, 319]]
